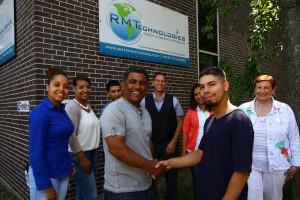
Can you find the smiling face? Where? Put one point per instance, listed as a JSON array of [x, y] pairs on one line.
[[58, 89], [135, 88], [82, 91], [213, 89], [198, 96], [159, 83], [263, 91], [114, 93]]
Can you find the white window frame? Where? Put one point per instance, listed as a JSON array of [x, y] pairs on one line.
[[203, 51]]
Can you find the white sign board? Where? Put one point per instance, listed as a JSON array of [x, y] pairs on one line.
[[23, 106], [7, 31], [144, 31]]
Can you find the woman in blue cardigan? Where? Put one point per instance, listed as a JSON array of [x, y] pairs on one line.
[[50, 129]]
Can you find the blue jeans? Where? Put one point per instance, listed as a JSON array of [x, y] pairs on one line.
[[86, 183], [59, 184], [171, 175], [140, 195], [196, 180]]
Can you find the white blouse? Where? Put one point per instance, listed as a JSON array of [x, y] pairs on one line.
[[88, 133]]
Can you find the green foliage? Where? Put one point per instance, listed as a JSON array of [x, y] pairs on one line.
[[213, 6], [265, 15], [229, 6], [241, 84]]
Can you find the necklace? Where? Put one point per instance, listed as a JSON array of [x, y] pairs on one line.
[[82, 106], [263, 112]]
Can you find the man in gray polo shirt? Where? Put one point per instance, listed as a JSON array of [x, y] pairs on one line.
[[126, 130]]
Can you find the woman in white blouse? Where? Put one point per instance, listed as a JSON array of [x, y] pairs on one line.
[[84, 140], [276, 149]]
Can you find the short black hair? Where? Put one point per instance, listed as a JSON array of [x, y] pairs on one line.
[[112, 83], [215, 71], [80, 78], [159, 73], [135, 69], [52, 72]]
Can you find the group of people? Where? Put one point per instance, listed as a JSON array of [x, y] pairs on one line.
[[225, 146], [138, 131]]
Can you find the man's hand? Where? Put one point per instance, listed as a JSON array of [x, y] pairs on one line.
[[187, 160], [164, 163], [50, 193], [171, 147], [154, 171]]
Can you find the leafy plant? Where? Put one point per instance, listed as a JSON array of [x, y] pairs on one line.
[[265, 15]]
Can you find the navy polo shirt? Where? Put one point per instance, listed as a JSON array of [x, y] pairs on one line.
[[227, 147]]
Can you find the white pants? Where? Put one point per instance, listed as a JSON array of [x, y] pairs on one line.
[[265, 185]]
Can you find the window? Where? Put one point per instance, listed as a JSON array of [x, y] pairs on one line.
[[208, 49], [207, 60]]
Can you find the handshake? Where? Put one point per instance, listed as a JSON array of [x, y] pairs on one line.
[[157, 169]]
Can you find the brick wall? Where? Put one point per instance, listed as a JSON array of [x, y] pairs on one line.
[[233, 45], [64, 33], [17, 82]]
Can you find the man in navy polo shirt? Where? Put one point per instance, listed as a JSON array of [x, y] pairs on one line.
[[225, 150]]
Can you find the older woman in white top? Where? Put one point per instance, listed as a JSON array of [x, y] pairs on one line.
[[276, 149], [84, 140]]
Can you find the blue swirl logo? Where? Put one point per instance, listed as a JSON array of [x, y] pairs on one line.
[[124, 21]]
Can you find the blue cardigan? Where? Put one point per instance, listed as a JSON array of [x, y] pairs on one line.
[[49, 132]]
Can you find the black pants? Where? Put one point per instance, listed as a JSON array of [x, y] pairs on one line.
[[171, 175]]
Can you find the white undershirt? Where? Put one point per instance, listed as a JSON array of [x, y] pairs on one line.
[[260, 150], [202, 116], [88, 131]]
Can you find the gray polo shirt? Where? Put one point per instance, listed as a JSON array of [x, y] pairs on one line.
[[122, 118]]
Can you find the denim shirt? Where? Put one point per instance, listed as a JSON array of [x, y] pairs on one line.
[[283, 143]]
